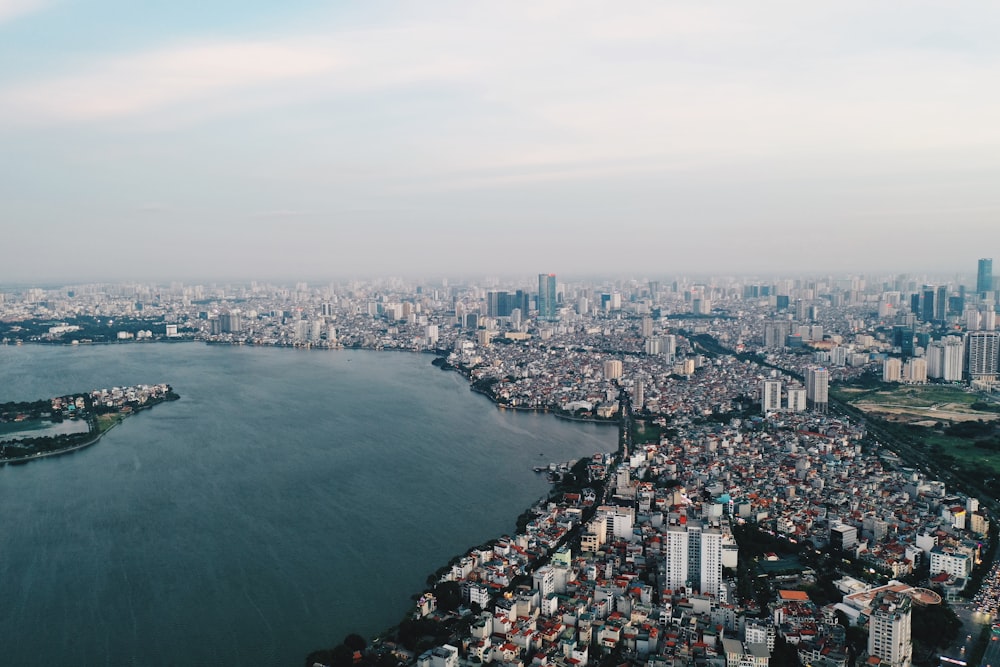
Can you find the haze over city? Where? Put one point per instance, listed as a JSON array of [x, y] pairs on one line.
[[313, 140]]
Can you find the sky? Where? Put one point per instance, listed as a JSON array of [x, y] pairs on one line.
[[240, 139]]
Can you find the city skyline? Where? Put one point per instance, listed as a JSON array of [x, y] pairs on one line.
[[320, 141]]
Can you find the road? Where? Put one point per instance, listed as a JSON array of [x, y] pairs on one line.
[[992, 657]]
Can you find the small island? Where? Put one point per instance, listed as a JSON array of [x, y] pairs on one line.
[[47, 427]]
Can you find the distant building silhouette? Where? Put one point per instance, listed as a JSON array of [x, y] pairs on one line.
[[547, 307], [984, 276]]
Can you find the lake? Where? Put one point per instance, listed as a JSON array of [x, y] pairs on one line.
[[290, 497]]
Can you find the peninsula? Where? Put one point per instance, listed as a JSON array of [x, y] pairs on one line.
[[47, 427]]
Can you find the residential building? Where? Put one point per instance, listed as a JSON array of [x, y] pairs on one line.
[[770, 396], [983, 354], [817, 388], [889, 629]]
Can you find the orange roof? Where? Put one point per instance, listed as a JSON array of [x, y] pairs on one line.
[[794, 596]]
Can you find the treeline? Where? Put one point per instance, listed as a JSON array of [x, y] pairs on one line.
[[33, 410], [99, 330], [43, 444]]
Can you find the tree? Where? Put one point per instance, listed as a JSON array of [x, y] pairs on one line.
[[355, 642], [341, 656], [784, 654], [449, 595]]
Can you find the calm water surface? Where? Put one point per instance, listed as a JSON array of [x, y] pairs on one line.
[[288, 498]]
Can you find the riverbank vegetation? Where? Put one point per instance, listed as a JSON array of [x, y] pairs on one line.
[[17, 418]]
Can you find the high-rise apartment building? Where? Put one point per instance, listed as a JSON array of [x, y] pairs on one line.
[[775, 333], [889, 629], [945, 359], [892, 370], [670, 347], [818, 388], [915, 371], [693, 557], [230, 322], [646, 327], [548, 310], [770, 396], [796, 399], [984, 276], [983, 352]]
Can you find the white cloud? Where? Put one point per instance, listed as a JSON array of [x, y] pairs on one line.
[[562, 90], [144, 82], [11, 9]]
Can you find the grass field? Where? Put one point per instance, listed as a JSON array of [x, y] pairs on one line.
[[645, 432], [917, 410], [915, 396], [104, 422], [912, 403], [963, 450]]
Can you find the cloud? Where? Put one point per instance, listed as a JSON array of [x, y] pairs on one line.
[[280, 214], [12, 9], [462, 96], [140, 83]]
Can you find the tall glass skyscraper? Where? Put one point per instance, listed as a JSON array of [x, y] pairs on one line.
[[984, 277], [547, 307]]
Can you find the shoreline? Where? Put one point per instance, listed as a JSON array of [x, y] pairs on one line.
[[437, 354], [67, 450], [20, 460]]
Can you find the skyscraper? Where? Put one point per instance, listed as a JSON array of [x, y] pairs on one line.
[[984, 276], [499, 304], [818, 388], [927, 304], [547, 307], [983, 354], [941, 303]]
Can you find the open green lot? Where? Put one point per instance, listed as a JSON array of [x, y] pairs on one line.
[[919, 402], [910, 395], [938, 419]]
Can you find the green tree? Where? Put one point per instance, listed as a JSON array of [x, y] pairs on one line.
[[449, 595], [355, 642]]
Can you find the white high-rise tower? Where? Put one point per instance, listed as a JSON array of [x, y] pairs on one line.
[[889, 629]]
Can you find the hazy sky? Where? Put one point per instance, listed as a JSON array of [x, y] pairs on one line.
[[249, 139]]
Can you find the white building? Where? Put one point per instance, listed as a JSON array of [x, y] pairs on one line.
[[770, 396], [983, 354], [946, 359], [915, 371], [618, 522], [955, 563], [612, 369], [796, 399], [693, 557], [889, 629], [892, 370], [442, 656]]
